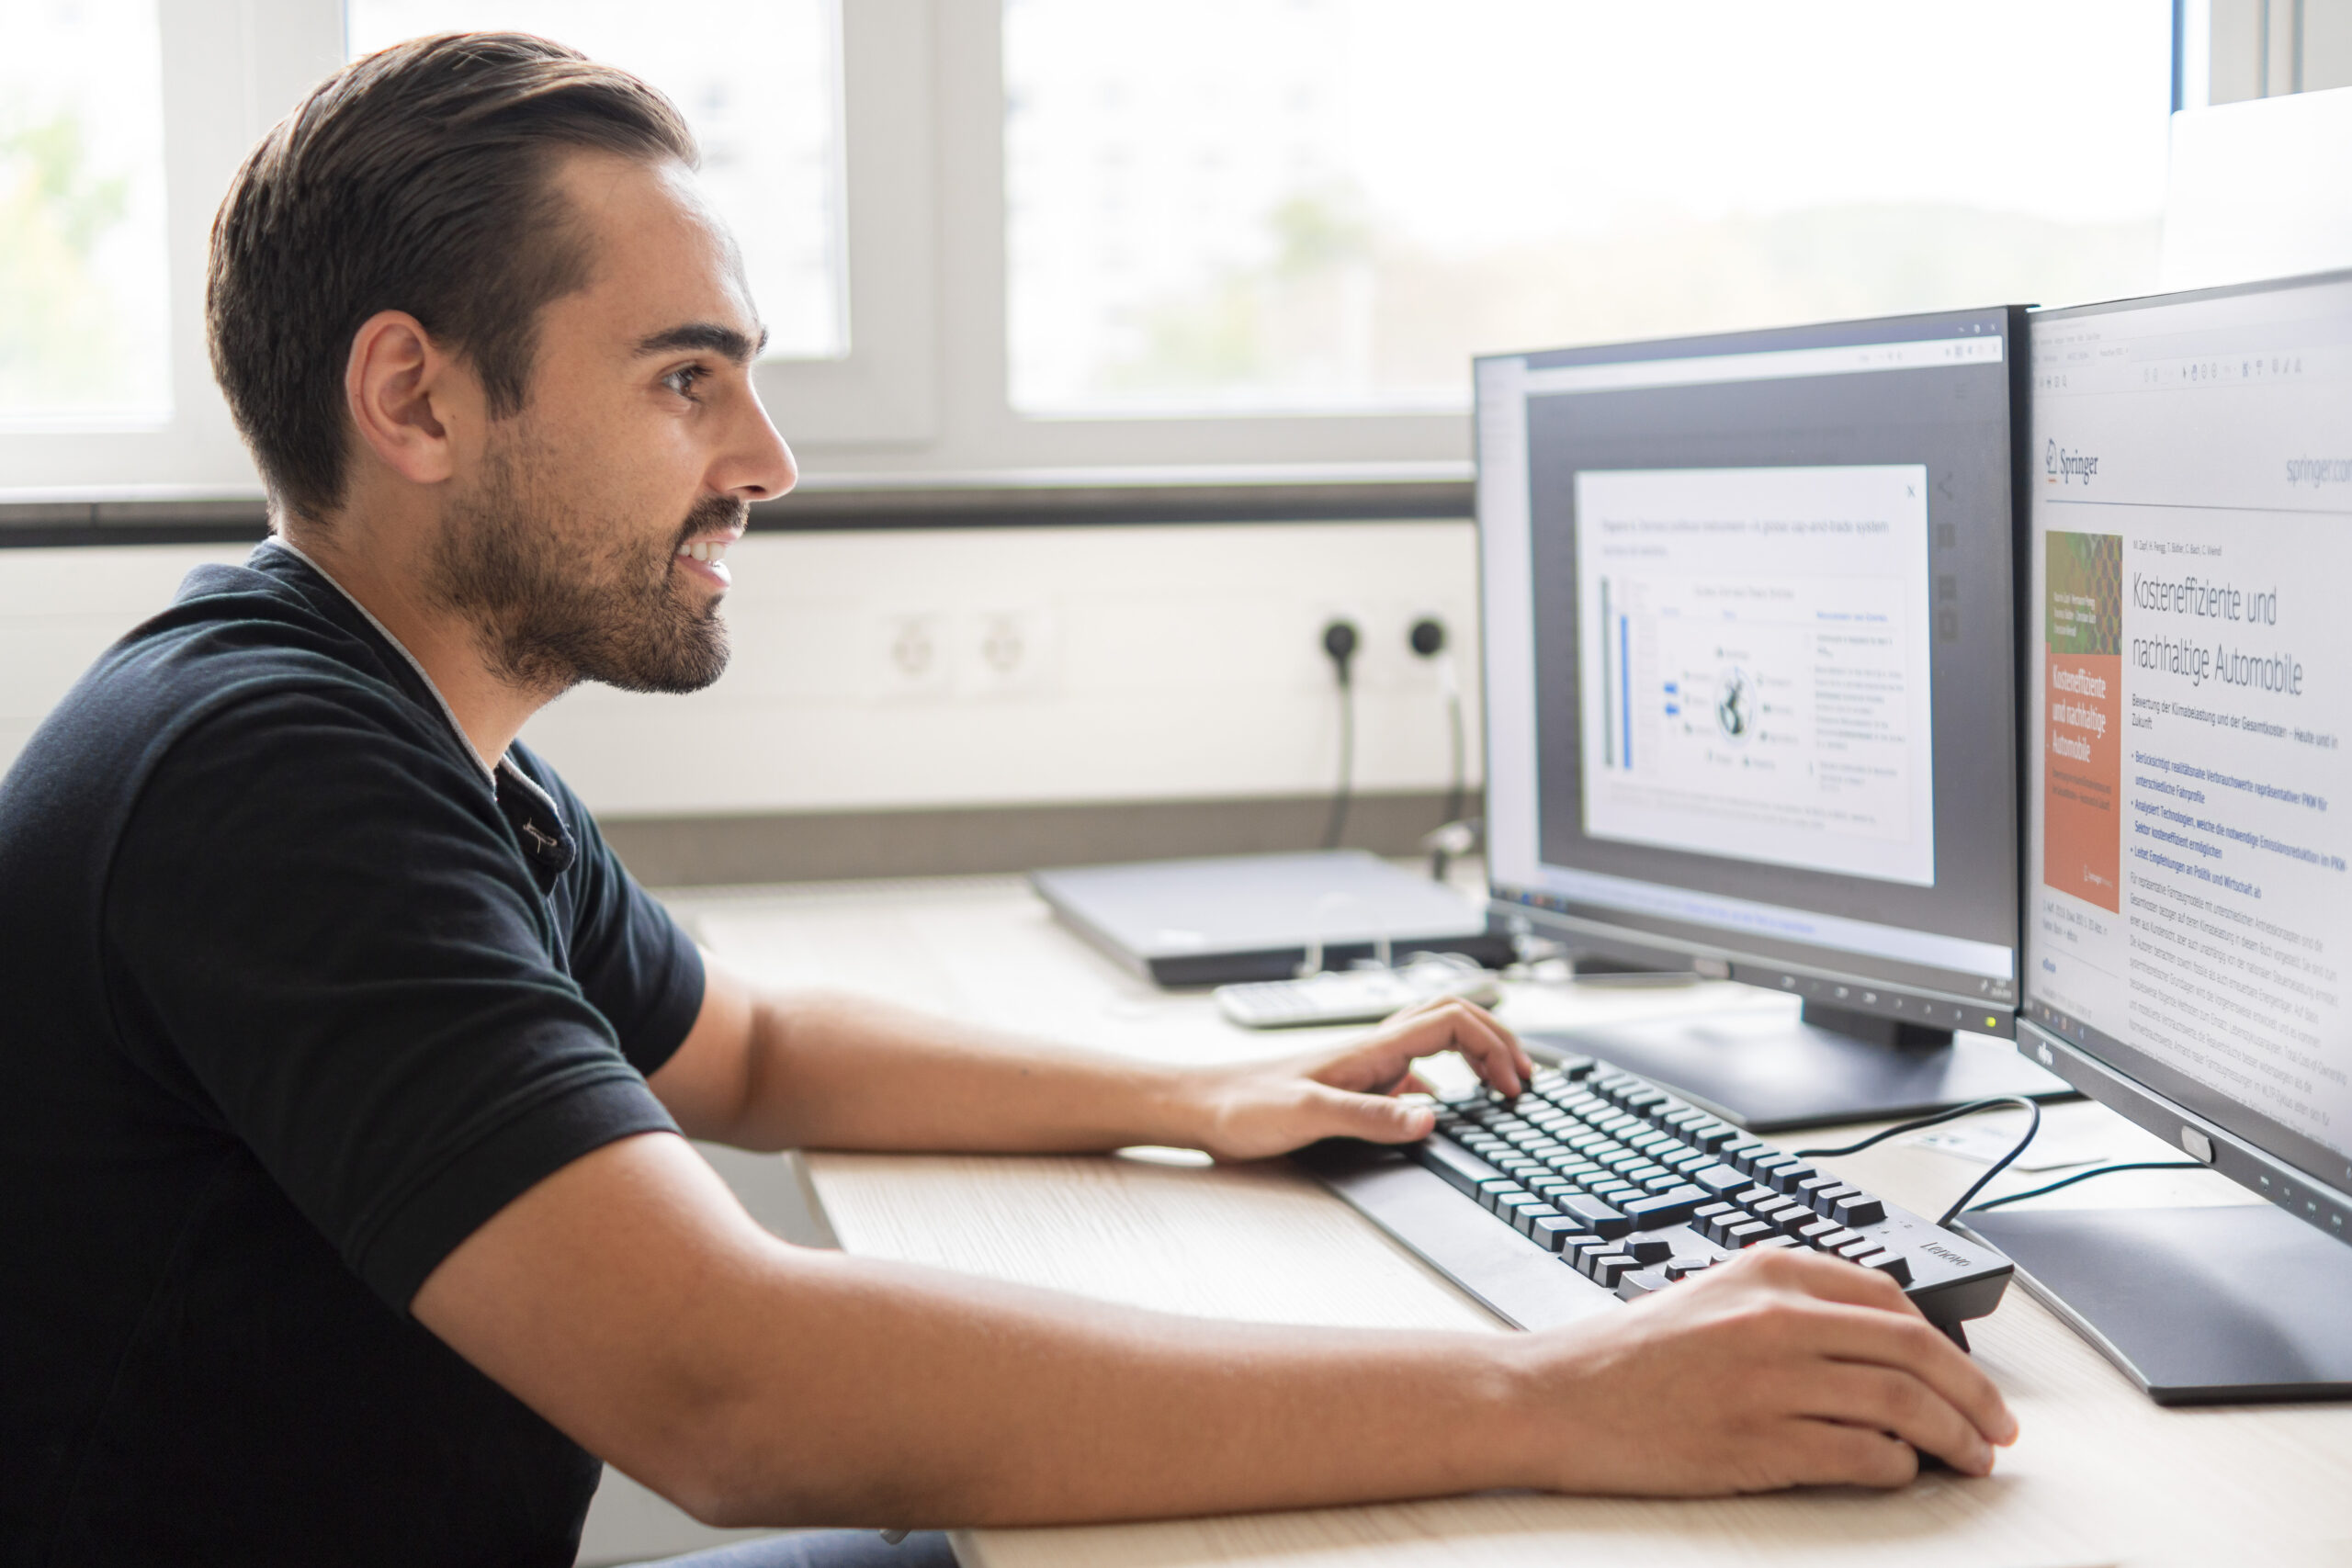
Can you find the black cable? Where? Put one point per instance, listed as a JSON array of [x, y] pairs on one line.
[[1957, 1111], [2087, 1175], [1339, 644], [1338, 823], [1426, 637], [1455, 783]]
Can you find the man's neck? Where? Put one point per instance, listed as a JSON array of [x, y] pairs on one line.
[[490, 711]]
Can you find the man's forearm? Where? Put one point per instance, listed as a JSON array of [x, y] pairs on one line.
[[629, 1300], [963, 1402], [831, 1071]]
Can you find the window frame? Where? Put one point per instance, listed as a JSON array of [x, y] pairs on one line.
[[921, 399]]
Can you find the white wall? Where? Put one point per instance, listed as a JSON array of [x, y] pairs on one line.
[[1154, 663], [59, 609]]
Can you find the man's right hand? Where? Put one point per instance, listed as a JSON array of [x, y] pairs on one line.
[[1776, 1369]]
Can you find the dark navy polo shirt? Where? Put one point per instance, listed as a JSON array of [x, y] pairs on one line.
[[294, 995]]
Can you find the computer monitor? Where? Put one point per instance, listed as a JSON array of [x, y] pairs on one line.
[[2188, 820], [1749, 616]]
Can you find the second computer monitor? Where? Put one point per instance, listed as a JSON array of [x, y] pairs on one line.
[[1749, 624]]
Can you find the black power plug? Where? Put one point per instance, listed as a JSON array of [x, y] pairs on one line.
[[1426, 637], [1340, 641]]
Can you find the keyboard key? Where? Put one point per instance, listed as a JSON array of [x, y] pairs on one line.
[[1818, 1233], [1665, 1208], [1789, 1179], [1785, 1243], [1608, 1268], [1749, 1197], [1556, 1231], [1859, 1210], [1859, 1247], [1768, 1168], [1604, 1219], [1683, 1268], [1747, 1233], [1459, 1167], [1689, 1160], [1825, 1202], [1663, 1182], [1813, 1187], [1837, 1239], [1893, 1265], [1719, 1180], [1636, 1283], [1525, 1212]]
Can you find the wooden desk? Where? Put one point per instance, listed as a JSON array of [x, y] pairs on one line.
[[2101, 1475]]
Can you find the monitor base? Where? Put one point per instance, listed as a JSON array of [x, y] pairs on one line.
[[1771, 1073], [2235, 1305]]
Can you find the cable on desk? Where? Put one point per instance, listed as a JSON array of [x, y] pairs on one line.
[[2032, 1110], [2086, 1175], [1340, 642]]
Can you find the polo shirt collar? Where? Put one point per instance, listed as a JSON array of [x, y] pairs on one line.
[[533, 813], [280, 542]]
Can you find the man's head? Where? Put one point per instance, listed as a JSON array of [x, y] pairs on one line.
[[466, 300]]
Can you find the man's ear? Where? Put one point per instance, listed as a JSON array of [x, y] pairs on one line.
[[413, 403]]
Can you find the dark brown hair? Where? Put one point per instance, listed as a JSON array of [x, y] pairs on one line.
[[418, 180]]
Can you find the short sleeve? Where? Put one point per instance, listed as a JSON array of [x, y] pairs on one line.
[[318, 917], [633, 963]]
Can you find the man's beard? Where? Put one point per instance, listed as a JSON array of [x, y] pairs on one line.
[[552, 606]]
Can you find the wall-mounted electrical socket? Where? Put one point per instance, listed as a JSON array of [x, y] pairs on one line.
[[936, 654], [913, 654], [1012, 651], [1385, 660]]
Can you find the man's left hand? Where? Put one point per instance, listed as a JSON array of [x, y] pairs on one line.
[[1271, 1108]]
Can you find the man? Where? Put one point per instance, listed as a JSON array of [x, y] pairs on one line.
[[344, 1070]]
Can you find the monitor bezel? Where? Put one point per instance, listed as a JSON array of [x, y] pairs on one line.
[[2268, 1157], [1828, 977]]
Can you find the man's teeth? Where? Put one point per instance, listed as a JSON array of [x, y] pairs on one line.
[[707, 550]]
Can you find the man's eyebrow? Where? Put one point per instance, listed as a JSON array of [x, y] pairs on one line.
[[708, 336]]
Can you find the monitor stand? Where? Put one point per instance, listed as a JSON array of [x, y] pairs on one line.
[[2230, 1305], [1772, 1072]]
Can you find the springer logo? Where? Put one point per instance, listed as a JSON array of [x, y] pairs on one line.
[[2068, 467]]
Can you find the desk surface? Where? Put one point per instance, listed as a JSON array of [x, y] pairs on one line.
[[2100, 1476]]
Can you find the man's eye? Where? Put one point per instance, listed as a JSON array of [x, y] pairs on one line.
[[685, 380]]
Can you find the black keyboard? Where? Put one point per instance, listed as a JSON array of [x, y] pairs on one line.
[[1634, 1189]]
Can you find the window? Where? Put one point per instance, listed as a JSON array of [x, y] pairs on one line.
[[1240, 205], [999, 237], [85, 294], [759, 81]]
